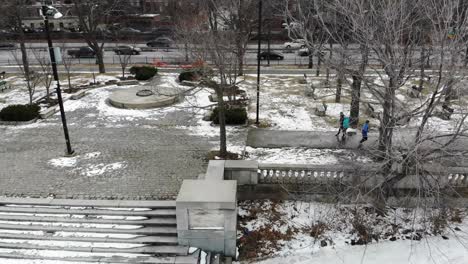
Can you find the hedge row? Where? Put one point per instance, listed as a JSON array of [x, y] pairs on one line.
[[234, 116], [143, 73], [20, 112]]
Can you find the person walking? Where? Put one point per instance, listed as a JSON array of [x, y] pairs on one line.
[[345, 127], [364, 131], [341, 124]]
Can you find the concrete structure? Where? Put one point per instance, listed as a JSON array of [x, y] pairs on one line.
[[129, 98], [152, 231], [245, 172], [207, 215], [403, 138]]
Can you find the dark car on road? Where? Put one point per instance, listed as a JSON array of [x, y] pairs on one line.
[[303, 52], [160, 42], [83, 52], [272, 55], [7, 46], [127, 50]]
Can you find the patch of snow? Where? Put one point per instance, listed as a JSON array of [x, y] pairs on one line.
[[430, 250], [57, 254], [339, 221], [99, 169], [64, 162], [291, 155], [203, 259], [70, 243], [92, 155]]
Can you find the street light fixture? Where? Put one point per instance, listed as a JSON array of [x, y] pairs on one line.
[[259, 35], [51, 12]]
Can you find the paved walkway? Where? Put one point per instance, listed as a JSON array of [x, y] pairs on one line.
[[120, 154], [264, 138]]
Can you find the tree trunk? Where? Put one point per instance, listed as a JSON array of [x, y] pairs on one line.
[[48, 92], [339, 85], [240, 61], [319, 63], [69, 80], [386, 121], [311, 59], [330, 57], [100, 60], [466, 57], [222, 123], [356, 87], [27, 73], [355, 100], [421, 76]]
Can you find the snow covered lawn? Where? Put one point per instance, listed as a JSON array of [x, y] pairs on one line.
[[310, 232]]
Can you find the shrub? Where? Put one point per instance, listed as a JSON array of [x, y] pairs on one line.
[[19, 112], [189, 75], [143, 73], [234, 116]]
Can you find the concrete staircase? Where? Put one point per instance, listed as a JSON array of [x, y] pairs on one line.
[[86, 231]]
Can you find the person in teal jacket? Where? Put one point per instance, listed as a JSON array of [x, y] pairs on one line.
[[345, 126]]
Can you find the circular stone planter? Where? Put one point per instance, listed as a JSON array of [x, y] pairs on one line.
[[140, 98], [18, 123]]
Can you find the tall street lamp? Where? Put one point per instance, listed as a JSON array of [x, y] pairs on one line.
[[51, 12], [259, 35]]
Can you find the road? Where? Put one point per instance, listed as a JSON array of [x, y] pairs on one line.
[[176, 55], [170, 56]]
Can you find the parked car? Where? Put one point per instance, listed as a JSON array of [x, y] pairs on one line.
[[127, 50], [160, 42], [83, 52], [295, 44], [272, 55], [7, 46], [303, 53]]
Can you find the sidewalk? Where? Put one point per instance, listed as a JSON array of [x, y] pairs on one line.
[[264, 138]]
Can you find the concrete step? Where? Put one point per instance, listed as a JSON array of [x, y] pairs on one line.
[[154, 250], [168, 231], [89, 203], [74, 211], [165, 221], [91, 231], [150, 240], [190, 259]]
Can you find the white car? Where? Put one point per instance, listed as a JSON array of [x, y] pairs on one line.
[[295, 44]]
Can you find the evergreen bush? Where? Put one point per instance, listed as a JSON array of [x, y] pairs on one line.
[[19, 113]]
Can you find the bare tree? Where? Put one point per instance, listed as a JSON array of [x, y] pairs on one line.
[[218, 48], [237, 16], [46, 74], [392, 32], [93, 15], [67, 62], [13, 12], [31, 78]]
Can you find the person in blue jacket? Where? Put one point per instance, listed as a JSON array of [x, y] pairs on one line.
[[364, 131]]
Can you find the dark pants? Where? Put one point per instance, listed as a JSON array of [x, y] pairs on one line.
[[341, 130], [364, 138]]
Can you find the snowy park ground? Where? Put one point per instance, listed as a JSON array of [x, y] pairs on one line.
[[284, 106], [309, 232], [119, 149]]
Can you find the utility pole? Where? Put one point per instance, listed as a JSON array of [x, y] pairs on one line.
[[45, 13], [259, 35]]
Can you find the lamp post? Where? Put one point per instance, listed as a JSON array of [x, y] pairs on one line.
[[48, 11], [259, 35]]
